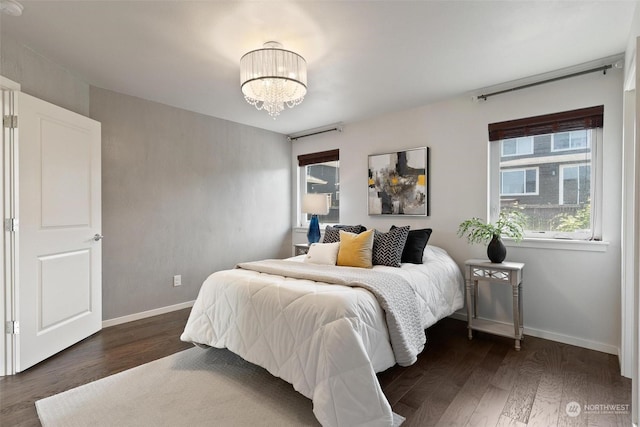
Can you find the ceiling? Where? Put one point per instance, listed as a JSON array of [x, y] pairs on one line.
[[365, 58]]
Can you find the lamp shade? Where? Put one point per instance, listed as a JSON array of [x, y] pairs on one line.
[[315, 203], [273, 77]]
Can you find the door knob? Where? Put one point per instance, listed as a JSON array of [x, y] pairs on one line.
[[98, 237]]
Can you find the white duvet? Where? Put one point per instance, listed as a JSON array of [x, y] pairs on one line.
[[328, 341]]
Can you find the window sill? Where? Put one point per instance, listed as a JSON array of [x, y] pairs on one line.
[[558, 244], [305, 228]]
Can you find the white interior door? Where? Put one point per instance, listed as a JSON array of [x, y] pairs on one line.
[[59, 289]]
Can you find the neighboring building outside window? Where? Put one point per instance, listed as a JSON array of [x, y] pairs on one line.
[[320, 173], [570, 140], [550, 176], [575, 184], [517, 182], [517, 146]]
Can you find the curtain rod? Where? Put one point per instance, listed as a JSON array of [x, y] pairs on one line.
[[337, 128], [603, 68]]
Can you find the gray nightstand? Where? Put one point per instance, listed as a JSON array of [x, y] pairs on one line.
[[508, 273], [301, 248]]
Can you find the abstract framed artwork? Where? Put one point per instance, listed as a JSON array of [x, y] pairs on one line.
[[399, 183]]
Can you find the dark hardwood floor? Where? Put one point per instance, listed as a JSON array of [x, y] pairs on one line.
[[456, 382], [107, 352]]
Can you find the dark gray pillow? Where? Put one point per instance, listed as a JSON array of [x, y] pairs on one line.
[[332, 233], [388, 247]]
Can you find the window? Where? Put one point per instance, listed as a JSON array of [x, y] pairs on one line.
[[320, 173], [553, 180], [575, 140], [516, 182], [517, 146]]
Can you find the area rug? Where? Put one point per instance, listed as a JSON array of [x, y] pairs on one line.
[[195, 387]]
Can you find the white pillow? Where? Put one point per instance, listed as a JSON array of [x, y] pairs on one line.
[[323, 253]]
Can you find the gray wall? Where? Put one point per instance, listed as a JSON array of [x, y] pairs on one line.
[[570, 293], [184, 193], [42, 78]]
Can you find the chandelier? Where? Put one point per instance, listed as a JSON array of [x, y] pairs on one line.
[[272, 77]]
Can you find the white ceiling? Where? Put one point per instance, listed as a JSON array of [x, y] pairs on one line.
[[365, 58]]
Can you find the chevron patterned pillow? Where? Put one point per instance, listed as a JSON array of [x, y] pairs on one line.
[[332, 234], [388, 247]]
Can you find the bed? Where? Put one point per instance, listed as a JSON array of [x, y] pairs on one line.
[[320, 329]]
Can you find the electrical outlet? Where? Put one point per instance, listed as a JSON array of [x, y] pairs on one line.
[[177, 280]]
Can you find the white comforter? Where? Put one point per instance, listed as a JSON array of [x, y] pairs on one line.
[[328, 341]]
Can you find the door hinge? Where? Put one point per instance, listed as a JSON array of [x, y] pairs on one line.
[[10, 121], [11, 224], [12, 327]]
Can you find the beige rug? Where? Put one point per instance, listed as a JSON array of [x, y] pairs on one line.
[[195, 387]]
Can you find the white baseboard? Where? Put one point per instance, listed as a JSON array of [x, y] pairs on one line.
[[145, 314], [553, 336]]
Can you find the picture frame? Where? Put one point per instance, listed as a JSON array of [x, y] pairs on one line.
[[399, 183]]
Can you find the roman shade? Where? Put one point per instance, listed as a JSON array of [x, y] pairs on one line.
[[321, 157], [584, 118]]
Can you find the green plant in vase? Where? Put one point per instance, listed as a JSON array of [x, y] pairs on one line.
[[509, 224]]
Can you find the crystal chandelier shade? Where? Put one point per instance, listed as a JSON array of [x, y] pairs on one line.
[[272, 77]]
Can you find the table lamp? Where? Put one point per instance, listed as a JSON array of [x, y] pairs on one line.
[[315, 204]]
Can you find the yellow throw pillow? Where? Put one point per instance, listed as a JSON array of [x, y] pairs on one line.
[[356, 249]]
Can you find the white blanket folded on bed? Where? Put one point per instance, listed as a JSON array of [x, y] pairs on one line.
[[394, 294]]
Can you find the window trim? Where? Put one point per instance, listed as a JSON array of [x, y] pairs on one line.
[[582, 118], [558, 244], [493, 195], [524, 170]]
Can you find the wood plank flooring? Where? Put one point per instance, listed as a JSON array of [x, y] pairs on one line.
[[455, 382], [110, 351]]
